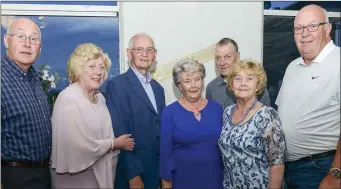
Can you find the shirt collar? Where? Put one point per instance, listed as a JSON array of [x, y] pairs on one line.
[[221, 81], [141, 77], [322, 55], [16, 69]]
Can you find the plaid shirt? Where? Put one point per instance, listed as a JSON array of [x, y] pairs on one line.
[[25, 115]]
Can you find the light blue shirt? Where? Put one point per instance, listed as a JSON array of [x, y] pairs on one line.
[[145, 82]]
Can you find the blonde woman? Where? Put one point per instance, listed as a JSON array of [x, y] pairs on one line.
[[252, 141], [84, 148]]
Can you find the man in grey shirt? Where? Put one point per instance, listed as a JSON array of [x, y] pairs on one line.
[[226, 54]]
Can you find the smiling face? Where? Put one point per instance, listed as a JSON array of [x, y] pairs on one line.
[[225, 57], [191, 85], [92, 74], [310, 44], [142, 54], [245, 85], [22, 51]]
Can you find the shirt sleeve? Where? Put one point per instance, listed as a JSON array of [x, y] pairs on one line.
[[166, 145], [208, 92], [274, 138], [74, 146], [338, 88]]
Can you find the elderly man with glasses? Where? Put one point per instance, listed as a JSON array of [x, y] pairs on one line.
[[135, 102], [309, 104], [25, 113]]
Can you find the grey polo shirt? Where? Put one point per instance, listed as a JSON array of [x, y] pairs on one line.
[[217, 91], [309, 104]]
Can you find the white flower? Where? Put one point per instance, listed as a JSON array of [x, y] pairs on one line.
[[44, 78], [45, 71], [47, 67], [53, 85], [51, 78], [46, 75]]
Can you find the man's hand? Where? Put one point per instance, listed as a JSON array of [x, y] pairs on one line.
[[136, 183], [166, 184], [124, 142], [329, 182]]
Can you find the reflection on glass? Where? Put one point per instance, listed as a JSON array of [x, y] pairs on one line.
[[61, 35]]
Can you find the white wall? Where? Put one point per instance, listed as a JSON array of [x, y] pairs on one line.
[[181, 28]]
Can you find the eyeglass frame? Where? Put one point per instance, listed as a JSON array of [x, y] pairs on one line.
[[306, 27], [144, 50], [16, 35]]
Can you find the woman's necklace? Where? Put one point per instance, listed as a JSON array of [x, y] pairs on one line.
[[195, 109], [247, 112]]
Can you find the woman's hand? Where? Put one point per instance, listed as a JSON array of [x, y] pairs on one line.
[[166, 184], [124, 142]]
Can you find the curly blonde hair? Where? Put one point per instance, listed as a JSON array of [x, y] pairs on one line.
[[82, 54], [248, 66]]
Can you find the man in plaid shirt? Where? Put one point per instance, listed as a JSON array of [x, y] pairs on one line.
[[25, 115]]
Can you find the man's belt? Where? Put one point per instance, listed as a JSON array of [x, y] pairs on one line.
[[316, 156], [43, 163]]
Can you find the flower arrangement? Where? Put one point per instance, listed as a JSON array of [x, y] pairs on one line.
[[47, 78]]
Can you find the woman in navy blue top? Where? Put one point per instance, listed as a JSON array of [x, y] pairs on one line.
[[189, 133]]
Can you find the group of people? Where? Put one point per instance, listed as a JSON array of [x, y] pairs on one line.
[[128, 137]]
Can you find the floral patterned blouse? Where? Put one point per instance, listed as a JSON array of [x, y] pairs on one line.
[[249, 150]]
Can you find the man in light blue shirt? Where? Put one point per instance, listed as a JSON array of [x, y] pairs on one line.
[[135, 102]]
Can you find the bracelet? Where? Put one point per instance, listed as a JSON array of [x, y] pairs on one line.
[[168, 186], [112, 144]]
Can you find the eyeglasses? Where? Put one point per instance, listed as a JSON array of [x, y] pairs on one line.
[[22, 38], [141, 50], [310, 28]]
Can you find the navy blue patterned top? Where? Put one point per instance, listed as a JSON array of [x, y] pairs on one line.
[[25, 115], [249, 150]]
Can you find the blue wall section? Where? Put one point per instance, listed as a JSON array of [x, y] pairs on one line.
[[61, 36]]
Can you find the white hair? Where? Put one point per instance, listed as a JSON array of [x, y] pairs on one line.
[[11, 23], [325, 15], [131, 41]]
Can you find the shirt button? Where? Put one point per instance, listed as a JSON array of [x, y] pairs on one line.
[[48, 132], [44, 116], [20, 78], [39, 100]]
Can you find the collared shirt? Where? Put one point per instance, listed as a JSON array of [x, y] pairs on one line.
[[145, 82], [217, 91], [25, 115], [309, 104]]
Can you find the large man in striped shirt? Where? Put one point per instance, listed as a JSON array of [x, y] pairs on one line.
[[25, 114]]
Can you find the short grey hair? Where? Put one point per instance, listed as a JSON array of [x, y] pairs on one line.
[[187, 65], [131, 41], [9, 27], [226, 41], [326, 15]]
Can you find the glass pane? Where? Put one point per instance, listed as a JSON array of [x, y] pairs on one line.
[[61, 35], [277, 5], [106, 3], [333, 6]]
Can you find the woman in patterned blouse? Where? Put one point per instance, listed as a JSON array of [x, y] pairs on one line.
[[252, 141]]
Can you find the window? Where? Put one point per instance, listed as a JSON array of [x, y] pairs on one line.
[[66, 27]]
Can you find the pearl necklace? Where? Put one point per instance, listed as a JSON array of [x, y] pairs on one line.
[[246, 113]]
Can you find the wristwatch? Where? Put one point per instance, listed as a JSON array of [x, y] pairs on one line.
[[336, 172]]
